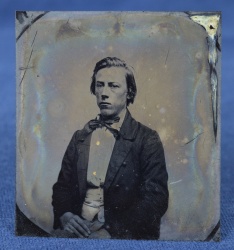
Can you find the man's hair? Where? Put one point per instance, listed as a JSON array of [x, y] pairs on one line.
[[109, 62]]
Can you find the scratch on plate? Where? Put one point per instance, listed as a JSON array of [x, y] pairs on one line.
[[175, 182], [193, 138], [165, 63], [27, 67]]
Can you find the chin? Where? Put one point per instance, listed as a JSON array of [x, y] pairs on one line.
[[106, 112]]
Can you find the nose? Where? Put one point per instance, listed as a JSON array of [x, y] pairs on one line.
[[105, 92]]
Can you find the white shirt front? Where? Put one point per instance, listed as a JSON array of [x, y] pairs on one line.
[[101, 147]]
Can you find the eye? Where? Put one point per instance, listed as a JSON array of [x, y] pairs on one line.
[[114, 85], [99, 84]]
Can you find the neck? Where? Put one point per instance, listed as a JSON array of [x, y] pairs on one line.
[[121, 115]]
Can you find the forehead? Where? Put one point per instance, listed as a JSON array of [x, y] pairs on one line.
[[112, 74]]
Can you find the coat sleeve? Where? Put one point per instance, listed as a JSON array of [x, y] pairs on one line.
[[63, 189], [153, 198], [154, 189], [142, 219]]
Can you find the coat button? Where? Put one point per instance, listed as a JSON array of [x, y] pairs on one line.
[[124, 163]]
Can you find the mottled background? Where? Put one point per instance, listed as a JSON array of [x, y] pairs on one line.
[[169, 55], [8, 240]]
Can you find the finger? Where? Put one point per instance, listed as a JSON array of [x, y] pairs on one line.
[[68, 229], [76, 232], [79, 228], [82, 223], [88, 223], [72, 230]]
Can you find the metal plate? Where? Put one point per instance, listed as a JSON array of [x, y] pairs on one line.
[[177, 71]]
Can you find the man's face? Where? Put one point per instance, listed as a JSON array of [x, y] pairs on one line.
[[111, 91]]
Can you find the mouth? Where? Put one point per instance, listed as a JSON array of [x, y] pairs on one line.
[[104, 104]]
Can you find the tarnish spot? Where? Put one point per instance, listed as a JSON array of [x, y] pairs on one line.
[[211, 24], [68, 30], [26, 23], [167, 28], [21, 15], [118, 27]]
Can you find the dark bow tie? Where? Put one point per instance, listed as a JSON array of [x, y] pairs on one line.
[[103, 122]]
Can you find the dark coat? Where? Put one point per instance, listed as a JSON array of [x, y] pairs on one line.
[[135, 188]]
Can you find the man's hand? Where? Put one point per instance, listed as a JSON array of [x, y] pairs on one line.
[[74, 224]]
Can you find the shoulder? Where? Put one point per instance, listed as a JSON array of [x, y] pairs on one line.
[[81, 136], [74, 138], [137, 130], [145, 130], [147, 135], [75, 135]]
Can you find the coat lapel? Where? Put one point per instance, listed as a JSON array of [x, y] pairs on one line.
[[122, 147]]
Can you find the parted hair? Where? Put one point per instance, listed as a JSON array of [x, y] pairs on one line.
[[109, 62]]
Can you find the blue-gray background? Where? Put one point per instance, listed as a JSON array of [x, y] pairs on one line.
[[8, 240]]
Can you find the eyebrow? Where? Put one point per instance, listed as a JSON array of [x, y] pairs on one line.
[[108, 82]]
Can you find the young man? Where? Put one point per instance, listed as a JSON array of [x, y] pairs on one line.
[[113, 174]]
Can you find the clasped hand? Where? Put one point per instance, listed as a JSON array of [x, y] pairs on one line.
[[74, 224]]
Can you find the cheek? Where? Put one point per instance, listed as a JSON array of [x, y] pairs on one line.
[[123, 97], [97, 95]]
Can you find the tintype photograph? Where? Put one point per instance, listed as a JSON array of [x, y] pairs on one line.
[[118, 125]]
